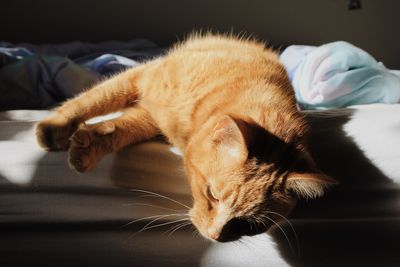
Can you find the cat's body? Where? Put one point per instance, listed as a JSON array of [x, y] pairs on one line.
[[214, 76], [228, 105]]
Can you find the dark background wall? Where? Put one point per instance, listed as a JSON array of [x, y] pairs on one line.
[[373, 28]]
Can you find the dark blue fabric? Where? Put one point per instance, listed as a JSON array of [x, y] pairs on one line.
[[41, 76], [80, 52], [10, 54], [39, 82]]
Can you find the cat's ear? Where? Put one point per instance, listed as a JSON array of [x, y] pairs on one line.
[[230, 138], [309, 185]]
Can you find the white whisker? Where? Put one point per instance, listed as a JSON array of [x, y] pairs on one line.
[[179, 227], [149, 205], [161, 224], [283, 232], [154, 216], [291, 226], [149, 223], [159, 195], [173, 227]]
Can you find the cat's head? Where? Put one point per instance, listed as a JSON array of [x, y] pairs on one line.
[[244, 179]]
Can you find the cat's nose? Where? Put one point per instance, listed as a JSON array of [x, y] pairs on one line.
[[213, 235]]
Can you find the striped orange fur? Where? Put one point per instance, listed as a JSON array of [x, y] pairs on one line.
[[228, 105]]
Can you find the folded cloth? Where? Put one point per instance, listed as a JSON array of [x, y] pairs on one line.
[[337, 75], [41, 76], [108, 64], [12, 54], [79, 52], [40, 82]]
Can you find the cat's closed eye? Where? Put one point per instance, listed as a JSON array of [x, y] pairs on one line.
[[210, 193]]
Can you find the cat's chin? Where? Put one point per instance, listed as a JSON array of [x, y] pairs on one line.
[[239, 227]]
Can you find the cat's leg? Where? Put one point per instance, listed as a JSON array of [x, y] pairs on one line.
[[53, 133], [91, 142]]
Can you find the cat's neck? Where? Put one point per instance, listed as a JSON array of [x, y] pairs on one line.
[[283, 124]]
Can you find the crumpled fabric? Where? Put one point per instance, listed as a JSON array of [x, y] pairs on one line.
[[337, 75], [41, 76], [109, 64], [40, 82]]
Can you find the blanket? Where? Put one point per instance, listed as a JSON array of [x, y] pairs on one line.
[[337, 75], [41, 76]]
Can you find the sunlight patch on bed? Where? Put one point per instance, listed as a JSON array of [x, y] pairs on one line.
[[15, 154], [376, 131], [20, 156], [259, 250], [23, 115]]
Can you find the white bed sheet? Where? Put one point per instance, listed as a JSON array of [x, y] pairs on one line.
[[54, 216]]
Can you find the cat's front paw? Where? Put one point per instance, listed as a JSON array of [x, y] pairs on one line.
[[89, 144], [53, 133], [82, 159]]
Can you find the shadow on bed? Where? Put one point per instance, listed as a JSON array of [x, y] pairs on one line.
[[356, 223], [64, 213]]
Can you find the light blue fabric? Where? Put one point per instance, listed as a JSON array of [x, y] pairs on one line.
[[337, 75], [16, 52], [109, 64]]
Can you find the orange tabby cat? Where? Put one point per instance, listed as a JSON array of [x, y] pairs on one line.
[[228, 105]]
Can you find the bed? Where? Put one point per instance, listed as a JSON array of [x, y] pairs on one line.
[[53, 216]]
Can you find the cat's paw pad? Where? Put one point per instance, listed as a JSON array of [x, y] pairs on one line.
[[81, 138], [81, 159], [89, 144], [54, 133], [88, 135]]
